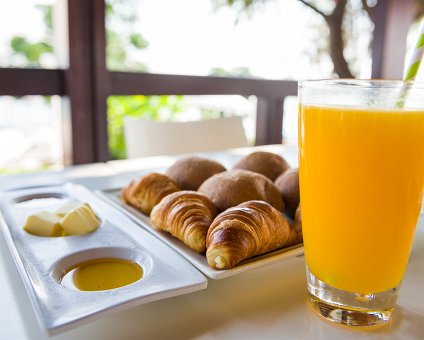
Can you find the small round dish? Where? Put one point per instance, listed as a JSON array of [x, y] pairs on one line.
[[39, 200], [25, 198], [101, 269]]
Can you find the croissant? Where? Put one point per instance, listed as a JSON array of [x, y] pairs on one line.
[[298, 223], [249, 229], [187, 215], [147, 191]]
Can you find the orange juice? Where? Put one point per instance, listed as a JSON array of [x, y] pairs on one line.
[[361, 180]]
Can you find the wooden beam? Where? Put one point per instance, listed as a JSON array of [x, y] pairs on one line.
[[269, 121], [392, 22], [15, 81], [26, 82], [379, 13], [127, 83], [86, 80], [270, 93], [101, 80], [79, 82]]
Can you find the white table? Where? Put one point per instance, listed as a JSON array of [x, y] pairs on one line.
[[267, 303]]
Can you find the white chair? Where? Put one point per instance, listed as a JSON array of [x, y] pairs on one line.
[[149, 138]]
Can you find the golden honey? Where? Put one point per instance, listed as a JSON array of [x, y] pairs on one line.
[[104, 274]]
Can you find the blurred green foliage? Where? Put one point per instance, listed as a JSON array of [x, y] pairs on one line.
[[153, 107], [238, 72], [29, 53], [122, 40], [123, 45]]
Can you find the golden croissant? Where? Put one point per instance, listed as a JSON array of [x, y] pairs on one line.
[[297, 225], [187, 215], [147, 191], [249, 229]]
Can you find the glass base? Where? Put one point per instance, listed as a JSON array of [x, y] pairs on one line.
[[352, 309]]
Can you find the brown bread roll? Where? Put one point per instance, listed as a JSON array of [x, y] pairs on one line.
[[268, 164], [288, 185], [187, 216], [230, 188], [190, 172], [147, 191], [252, 228]]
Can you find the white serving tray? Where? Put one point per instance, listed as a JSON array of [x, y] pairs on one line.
[[199, 261], [42, 260]]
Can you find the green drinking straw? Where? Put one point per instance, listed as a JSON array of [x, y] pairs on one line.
[[412, 70]]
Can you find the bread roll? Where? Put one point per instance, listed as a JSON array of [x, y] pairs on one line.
[[190, 172], [288, 185], [147, 191], [268, 164], [252, 228], [187, 216], [230, 188]]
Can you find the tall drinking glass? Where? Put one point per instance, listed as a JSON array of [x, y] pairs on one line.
[[361, 186]]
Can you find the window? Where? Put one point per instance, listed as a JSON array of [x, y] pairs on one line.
[[165, 51]]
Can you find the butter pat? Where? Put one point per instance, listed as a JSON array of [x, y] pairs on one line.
[[43, 224], [80, 221], [72, 218]]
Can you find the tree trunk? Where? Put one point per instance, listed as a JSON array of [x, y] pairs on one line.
[[335, 22], [341, 67]]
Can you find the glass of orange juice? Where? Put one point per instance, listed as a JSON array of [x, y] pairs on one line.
[[361, 185]]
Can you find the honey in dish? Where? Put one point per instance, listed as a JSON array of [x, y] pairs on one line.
[[104, 274]]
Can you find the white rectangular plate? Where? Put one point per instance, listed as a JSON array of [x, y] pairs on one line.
[[41, 260], [198, 260]]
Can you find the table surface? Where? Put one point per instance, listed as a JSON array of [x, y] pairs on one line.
[[266, 303]]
